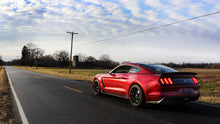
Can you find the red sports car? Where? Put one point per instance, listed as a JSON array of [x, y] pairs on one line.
[[149, 83]]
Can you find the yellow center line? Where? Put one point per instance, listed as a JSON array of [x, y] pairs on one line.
[[73, 89]]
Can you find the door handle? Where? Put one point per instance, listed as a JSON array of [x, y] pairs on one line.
[[123, 78]]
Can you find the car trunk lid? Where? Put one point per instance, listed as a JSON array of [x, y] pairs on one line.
[[178, 78]]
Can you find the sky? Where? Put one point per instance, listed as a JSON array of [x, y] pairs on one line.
[[45, 23]]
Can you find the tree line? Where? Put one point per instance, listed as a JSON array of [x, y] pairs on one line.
[[193, 65], [31, 55], [1, 61]]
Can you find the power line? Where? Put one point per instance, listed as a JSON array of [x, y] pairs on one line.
[[153, 28]]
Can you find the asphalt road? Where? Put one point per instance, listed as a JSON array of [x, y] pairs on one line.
[[49, 99]]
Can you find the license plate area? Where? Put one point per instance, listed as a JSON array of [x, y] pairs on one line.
[[187, 90]]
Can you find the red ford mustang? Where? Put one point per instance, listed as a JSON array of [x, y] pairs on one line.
[[142, 83]]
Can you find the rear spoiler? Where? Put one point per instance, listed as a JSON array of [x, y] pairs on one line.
[[174, 74]]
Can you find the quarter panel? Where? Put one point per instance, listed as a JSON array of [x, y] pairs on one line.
[[148, 82]]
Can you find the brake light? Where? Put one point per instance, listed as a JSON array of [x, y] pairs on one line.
[[195, 80], [166, 81], [161, 80], [170, 80]]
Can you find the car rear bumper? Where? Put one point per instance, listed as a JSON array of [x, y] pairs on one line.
[[179, 99], [180, 95], [176, 99]]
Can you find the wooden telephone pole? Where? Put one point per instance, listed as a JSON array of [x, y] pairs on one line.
[[71, 50]]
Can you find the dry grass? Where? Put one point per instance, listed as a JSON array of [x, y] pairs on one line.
[[77, 74], [208, 78], [210, 99], [204, 75], [6, 110]]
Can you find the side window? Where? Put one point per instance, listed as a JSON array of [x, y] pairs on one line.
[[134, 69], [122, 69]]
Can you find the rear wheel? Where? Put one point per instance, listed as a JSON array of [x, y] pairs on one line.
[[96, 87], [136, 96]]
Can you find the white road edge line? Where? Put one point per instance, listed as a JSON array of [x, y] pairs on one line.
[[20, 109]]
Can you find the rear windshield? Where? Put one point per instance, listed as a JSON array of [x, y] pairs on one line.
[[159, 68]]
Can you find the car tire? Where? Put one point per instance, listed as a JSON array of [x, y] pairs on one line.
[[136, 96], [96, 87]]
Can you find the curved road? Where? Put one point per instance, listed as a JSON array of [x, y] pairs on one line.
[[49, 99]]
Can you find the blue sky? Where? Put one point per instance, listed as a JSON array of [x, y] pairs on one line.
[[45, 22]]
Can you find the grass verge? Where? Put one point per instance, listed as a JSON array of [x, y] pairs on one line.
[[77, 74], [208, 78], [210, 92], [6, 104]]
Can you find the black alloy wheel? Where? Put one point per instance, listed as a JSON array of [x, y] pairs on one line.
[[96, 87], [136, 96]]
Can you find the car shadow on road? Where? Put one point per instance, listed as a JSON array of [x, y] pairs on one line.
[[187, 108]]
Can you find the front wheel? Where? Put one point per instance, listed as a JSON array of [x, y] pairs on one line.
[[96, 87], [136, 96]]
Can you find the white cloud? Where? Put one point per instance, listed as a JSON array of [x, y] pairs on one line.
[[196, 9], [24, 29], [217, 6], [174, 15], [34, 1], [48, 20], [154, 3], [133, 6], [98, 2], [210, 1], [151, 15]]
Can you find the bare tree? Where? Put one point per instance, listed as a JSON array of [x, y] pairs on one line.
[[90, 59], [49, 61], [82, 57], [31, 54], [106, 62], [105, 58], [38, 53], [32, 49], [62, 57], [90, 62]]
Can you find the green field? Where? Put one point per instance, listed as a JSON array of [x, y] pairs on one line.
[[208, 78]]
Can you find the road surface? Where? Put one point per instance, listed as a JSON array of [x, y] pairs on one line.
[[49, 99]]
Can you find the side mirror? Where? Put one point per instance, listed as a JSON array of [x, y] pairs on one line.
[[110, 72]]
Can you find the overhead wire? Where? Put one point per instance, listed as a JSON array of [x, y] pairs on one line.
[[153, 28]]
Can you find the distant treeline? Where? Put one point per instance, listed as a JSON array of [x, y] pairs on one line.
[[33, 56], [1, 61], [193, 65]]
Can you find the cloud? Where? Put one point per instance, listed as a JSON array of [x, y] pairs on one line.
[[151, 15], [133, 6], [217, 6], [40, 21], [154, 3]]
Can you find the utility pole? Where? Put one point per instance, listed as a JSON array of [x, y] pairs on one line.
[[71, 50]]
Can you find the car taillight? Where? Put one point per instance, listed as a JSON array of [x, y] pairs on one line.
[[195, 81], [166, 81]]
